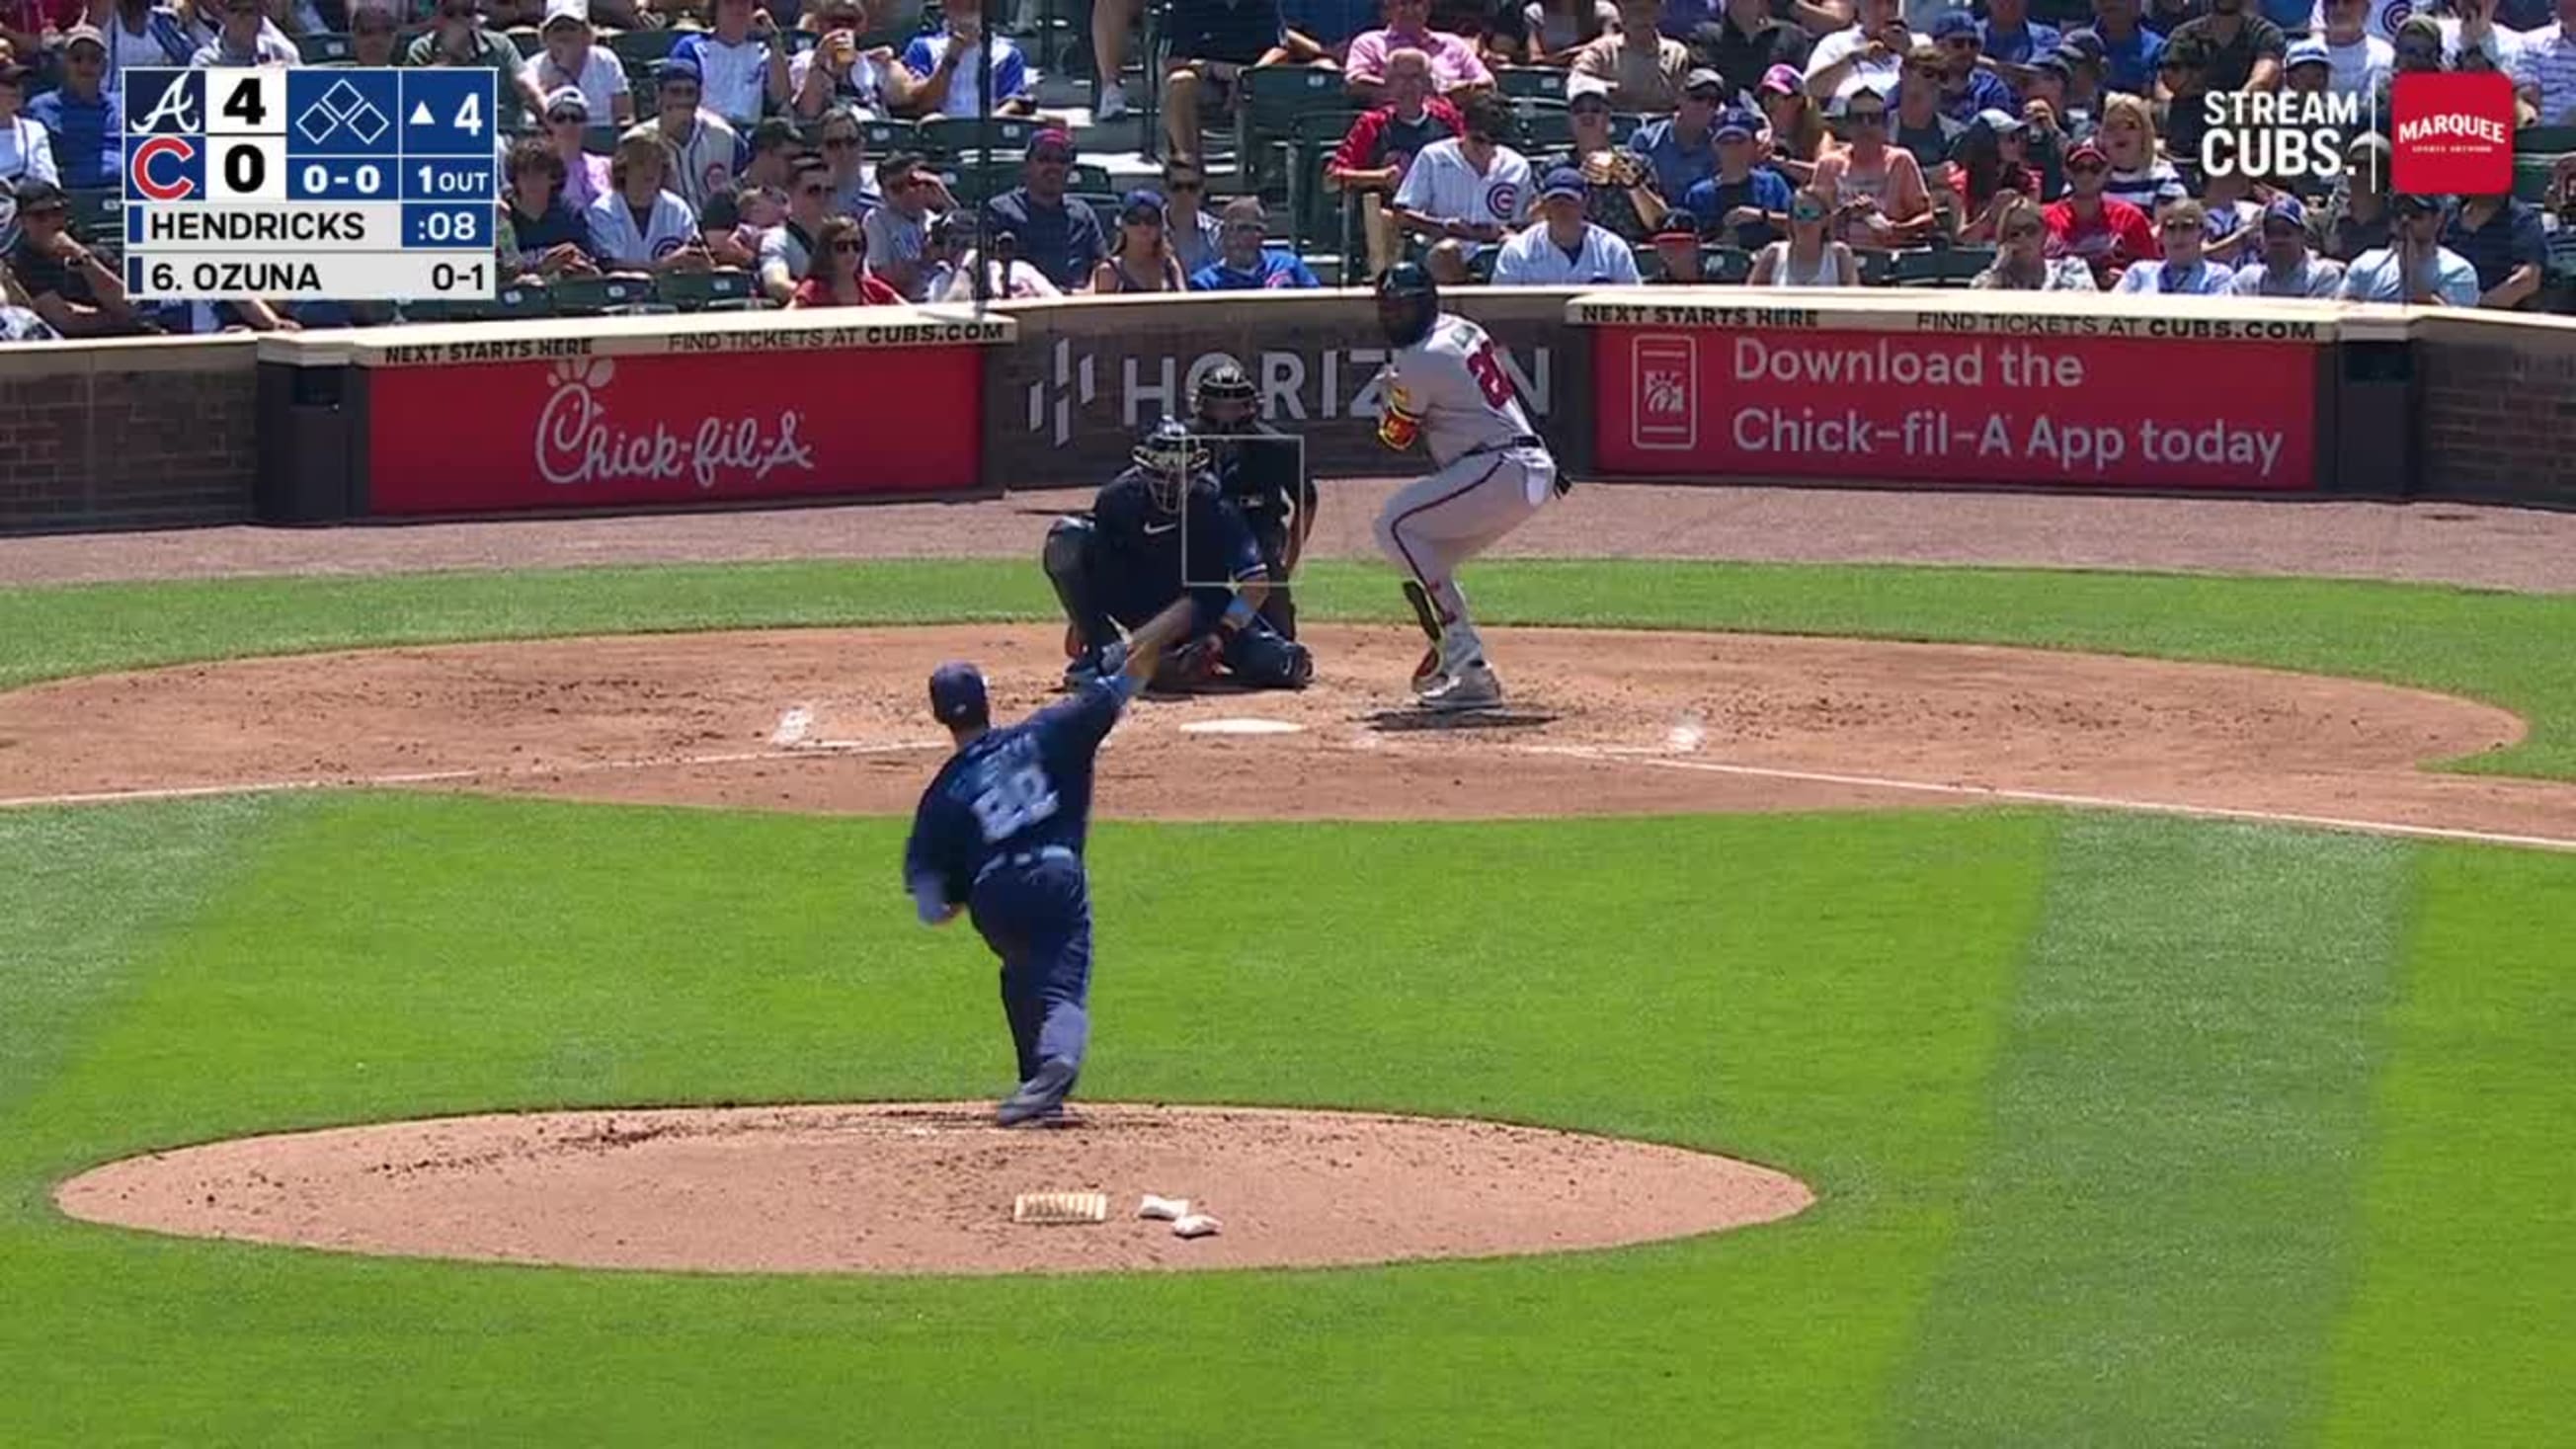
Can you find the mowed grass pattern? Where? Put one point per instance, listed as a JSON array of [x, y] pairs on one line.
[[2163, 1227], [2063, 1082]]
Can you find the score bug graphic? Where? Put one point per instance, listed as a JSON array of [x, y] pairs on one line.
[[304, 184]]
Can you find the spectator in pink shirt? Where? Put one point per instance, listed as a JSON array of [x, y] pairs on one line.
[[1455, 66]]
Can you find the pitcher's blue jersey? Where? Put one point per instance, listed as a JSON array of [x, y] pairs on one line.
[[1019, 788]]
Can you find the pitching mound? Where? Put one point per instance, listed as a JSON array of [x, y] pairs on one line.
[[931, 1189], [1601, 722]]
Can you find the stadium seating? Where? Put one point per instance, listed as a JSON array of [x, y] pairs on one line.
[[324, 48]]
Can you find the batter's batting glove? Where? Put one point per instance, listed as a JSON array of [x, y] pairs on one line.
[[1397, 428]]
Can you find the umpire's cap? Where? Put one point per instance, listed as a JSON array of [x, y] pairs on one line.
[[957, 695]]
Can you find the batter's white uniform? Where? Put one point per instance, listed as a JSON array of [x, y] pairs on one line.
[[1494, 472]]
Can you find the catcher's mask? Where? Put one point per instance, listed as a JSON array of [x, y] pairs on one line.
[[1170, 458], [1224, 400], [1407, 303]]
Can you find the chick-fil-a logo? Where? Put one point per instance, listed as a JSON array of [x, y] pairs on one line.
[[577, 444]]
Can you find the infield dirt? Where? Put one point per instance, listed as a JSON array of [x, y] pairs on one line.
[[1606, 722]]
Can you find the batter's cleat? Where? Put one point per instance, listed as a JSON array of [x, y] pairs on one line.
[[1427, 673], [1473, 686], [1039, 1097]]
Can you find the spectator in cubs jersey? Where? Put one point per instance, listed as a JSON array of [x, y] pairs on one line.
[[572, 57], [143, 33], [744, 66], [1245, 265], [641, 225], [1468, 192], [705, 151], [1564, 249]]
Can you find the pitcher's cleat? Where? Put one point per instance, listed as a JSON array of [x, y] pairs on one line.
[[1039, 1097]]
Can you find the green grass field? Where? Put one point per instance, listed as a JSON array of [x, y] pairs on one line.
[[2126, 1130]]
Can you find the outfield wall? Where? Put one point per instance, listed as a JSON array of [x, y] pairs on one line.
[[1893, 388]]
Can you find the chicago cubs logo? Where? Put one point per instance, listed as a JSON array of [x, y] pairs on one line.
[[2392, 15], [1503, 200], [160, 168]]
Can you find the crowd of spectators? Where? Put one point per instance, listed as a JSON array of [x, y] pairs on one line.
[[1790, 143]]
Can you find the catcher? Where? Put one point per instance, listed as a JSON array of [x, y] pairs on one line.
[[1262, 472], [1161, 530]]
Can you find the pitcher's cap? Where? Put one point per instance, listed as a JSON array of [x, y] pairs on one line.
[[957, 694]]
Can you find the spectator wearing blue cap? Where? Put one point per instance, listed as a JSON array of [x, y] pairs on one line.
[[1966, 86], [706, 152], [1243, 263], [1140, 257], [459, 39], [1745, 203], [1062, 241], [2357, 62], [2287, 266], [1565, 249]]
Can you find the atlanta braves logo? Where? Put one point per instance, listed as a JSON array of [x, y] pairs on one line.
[[1503, 200]]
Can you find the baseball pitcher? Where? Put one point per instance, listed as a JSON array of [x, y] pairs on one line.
[[999, 834]]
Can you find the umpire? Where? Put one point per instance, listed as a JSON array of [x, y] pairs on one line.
[[1262, 472]]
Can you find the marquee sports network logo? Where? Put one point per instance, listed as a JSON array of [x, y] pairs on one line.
[[2454, 134]]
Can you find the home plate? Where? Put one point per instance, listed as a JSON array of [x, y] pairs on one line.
[[1241, 727]]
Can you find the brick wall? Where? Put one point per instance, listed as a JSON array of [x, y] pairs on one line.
[[2496, 409], [126, 434]]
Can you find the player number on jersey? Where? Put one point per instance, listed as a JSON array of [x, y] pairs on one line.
[[244, 106], [1487, 369], [1017, 799]]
